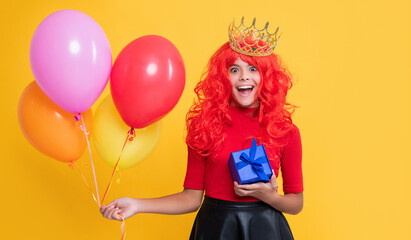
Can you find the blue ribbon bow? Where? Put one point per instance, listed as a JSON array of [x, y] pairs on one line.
[[256, 164]]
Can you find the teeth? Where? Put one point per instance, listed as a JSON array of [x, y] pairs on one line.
[[245, 87]]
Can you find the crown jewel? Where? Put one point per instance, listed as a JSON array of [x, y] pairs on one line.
[[252, 41]]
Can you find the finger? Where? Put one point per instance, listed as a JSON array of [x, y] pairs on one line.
[[239, 187], [119, 216], [243, 186], [274, 181], [236, 189], [104, 211], [109, 213], [273, 177], [112, 204], [250, 187], [243, 192], [103, 208], [239, 192], [113, 214]]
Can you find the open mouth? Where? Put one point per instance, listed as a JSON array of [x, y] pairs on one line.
[[245, 89]]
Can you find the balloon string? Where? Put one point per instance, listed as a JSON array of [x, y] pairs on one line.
[[123, 227], [130, 136], [72, 165], [83, 127]]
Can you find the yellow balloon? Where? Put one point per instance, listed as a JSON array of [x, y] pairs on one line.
[[110, 133]]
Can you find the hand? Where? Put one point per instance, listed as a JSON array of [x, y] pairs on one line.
[[122, 207], [262, 191]]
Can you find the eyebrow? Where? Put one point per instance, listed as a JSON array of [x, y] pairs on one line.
[[236, 65]]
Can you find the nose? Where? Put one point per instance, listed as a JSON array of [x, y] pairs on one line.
[[244, 76]]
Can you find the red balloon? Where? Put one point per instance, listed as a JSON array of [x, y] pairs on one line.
[[147, 80]]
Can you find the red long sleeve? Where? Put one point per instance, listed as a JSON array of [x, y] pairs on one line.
[[213, 174]]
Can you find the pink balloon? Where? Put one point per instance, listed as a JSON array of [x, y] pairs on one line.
[[70, 57]]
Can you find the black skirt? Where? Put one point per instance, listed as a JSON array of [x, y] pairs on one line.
[[225, 220]]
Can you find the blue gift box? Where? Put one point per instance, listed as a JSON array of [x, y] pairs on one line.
[[250, 165]]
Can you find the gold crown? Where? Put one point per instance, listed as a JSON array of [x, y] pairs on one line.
[[251, 41]]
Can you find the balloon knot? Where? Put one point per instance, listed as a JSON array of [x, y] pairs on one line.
[[77, 117], [131, 133], [71, 165]]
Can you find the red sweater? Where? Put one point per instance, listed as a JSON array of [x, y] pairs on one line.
[[213, 174]]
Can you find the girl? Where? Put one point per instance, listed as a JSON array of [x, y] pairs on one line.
[[241, 96]]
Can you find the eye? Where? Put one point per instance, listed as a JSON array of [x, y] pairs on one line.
[[253, 69], [234, 70]]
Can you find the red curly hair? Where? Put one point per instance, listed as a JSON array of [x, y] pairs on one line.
[[207, 116]]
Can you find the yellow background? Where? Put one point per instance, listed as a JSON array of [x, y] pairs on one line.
[[351, 64]]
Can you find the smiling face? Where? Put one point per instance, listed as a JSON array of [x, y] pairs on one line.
[[245, 80]]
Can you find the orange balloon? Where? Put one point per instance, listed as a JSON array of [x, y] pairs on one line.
[[50, 129]]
